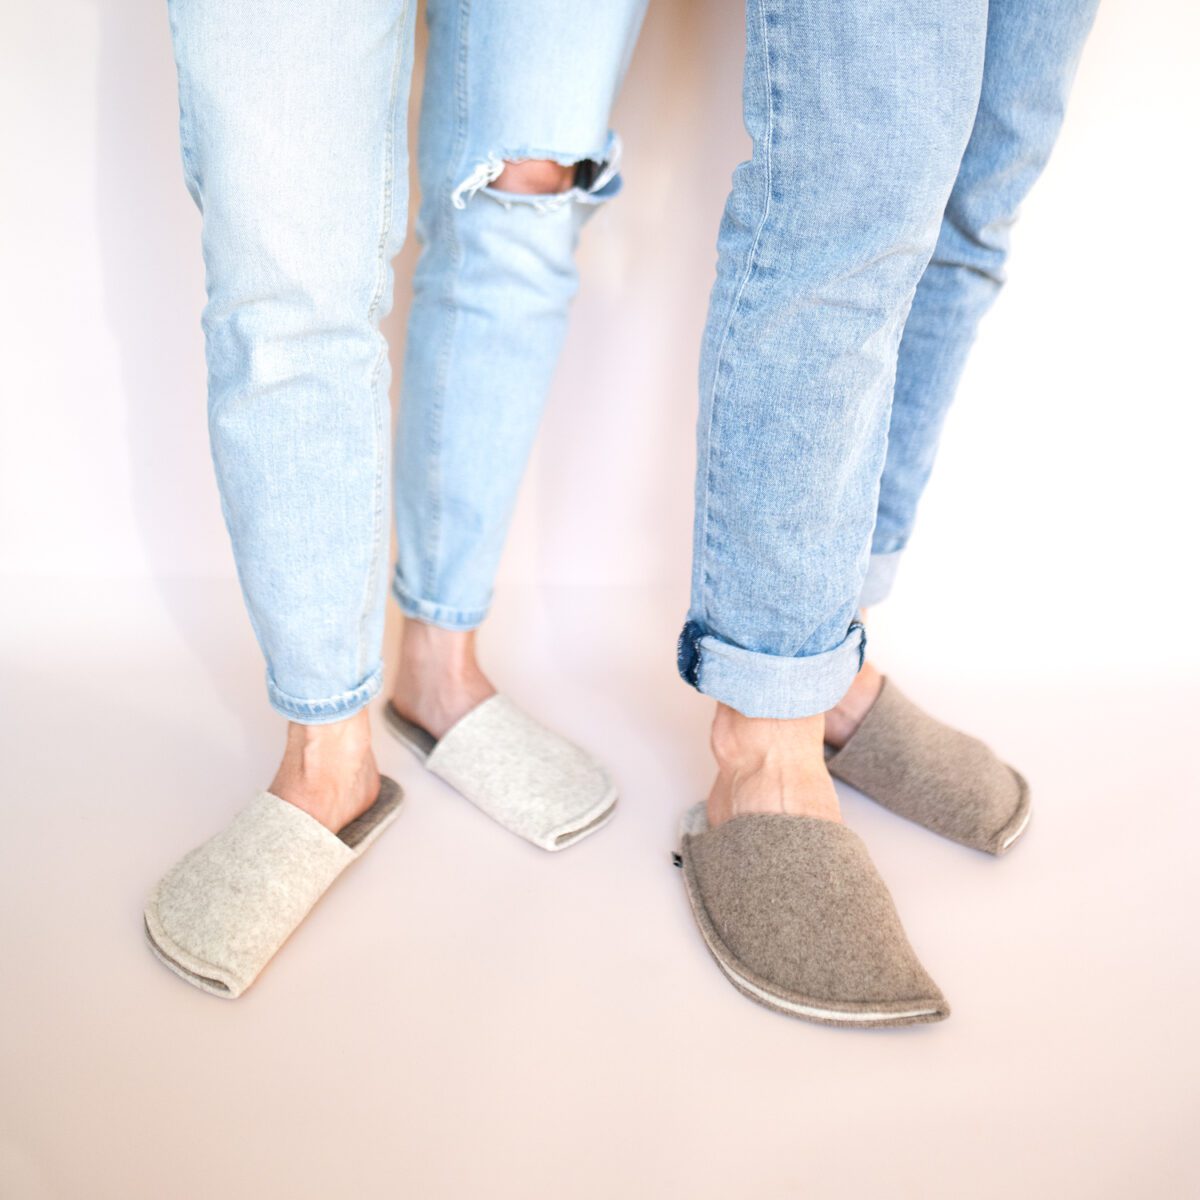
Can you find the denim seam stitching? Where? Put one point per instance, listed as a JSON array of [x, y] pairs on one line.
[[187, 131], [389, 173], [751, 266], [445, 220]]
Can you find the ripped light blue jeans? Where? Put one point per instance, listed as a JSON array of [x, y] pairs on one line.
[[292, 122], [893, 141]]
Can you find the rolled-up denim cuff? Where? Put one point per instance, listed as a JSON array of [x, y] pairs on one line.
[[432, 613], [881, 573], [770, 685], [331, 708]]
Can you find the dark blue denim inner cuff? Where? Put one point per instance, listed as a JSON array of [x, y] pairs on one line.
[[770, 685]]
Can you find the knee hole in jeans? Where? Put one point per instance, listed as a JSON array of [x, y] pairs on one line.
[[545, 184], [538, 177]]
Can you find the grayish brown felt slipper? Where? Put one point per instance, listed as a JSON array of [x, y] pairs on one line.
[[220, 914], [797, 917], [524, 776], [912, 763]]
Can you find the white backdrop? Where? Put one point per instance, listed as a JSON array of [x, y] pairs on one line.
[[1061, 520], [1044, 604]]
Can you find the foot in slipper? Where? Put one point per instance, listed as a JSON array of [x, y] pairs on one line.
[[527, 778], [524, 776], [795, 914], [786, 897], [220, 914], [913, 764]]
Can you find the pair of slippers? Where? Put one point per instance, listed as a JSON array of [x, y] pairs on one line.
[[219, 915], [792, 908]]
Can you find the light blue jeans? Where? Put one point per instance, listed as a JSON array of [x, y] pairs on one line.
[[292, 122], [893, 141]]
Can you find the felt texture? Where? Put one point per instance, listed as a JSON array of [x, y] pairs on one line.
[[913, 764], [799, 920], [524, 776], [220, 914]]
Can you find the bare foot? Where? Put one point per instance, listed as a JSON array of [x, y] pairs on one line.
[[769, 766], [842, 721], [329, 770], [439, 679]]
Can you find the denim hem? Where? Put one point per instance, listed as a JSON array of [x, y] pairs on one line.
[[433, 613], [770, 685], [881, 574], [333, 708]]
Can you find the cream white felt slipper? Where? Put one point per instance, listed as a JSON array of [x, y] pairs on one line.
[[219, 915], [524, 776]]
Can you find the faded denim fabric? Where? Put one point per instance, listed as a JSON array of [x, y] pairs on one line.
[[881, 132], [491, 291], [1033, 49], [293, 130]]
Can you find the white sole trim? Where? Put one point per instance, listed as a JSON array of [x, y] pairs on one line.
[[1016, 833], [586, 826], [806, 1010]]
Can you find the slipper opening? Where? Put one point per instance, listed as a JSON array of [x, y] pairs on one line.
[[418, 739], [581, 831], [207, 982], [358, 831]]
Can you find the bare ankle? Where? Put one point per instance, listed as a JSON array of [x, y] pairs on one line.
[[439, 679], [329, 770], [842, 721], [766, 765], [431, 650], [739, 741], [316, 749]]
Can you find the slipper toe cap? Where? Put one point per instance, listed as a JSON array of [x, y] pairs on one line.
[[533, 781], [217, 917], [797, 916]]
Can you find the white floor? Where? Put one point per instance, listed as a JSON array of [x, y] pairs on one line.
[[465, 1016]]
